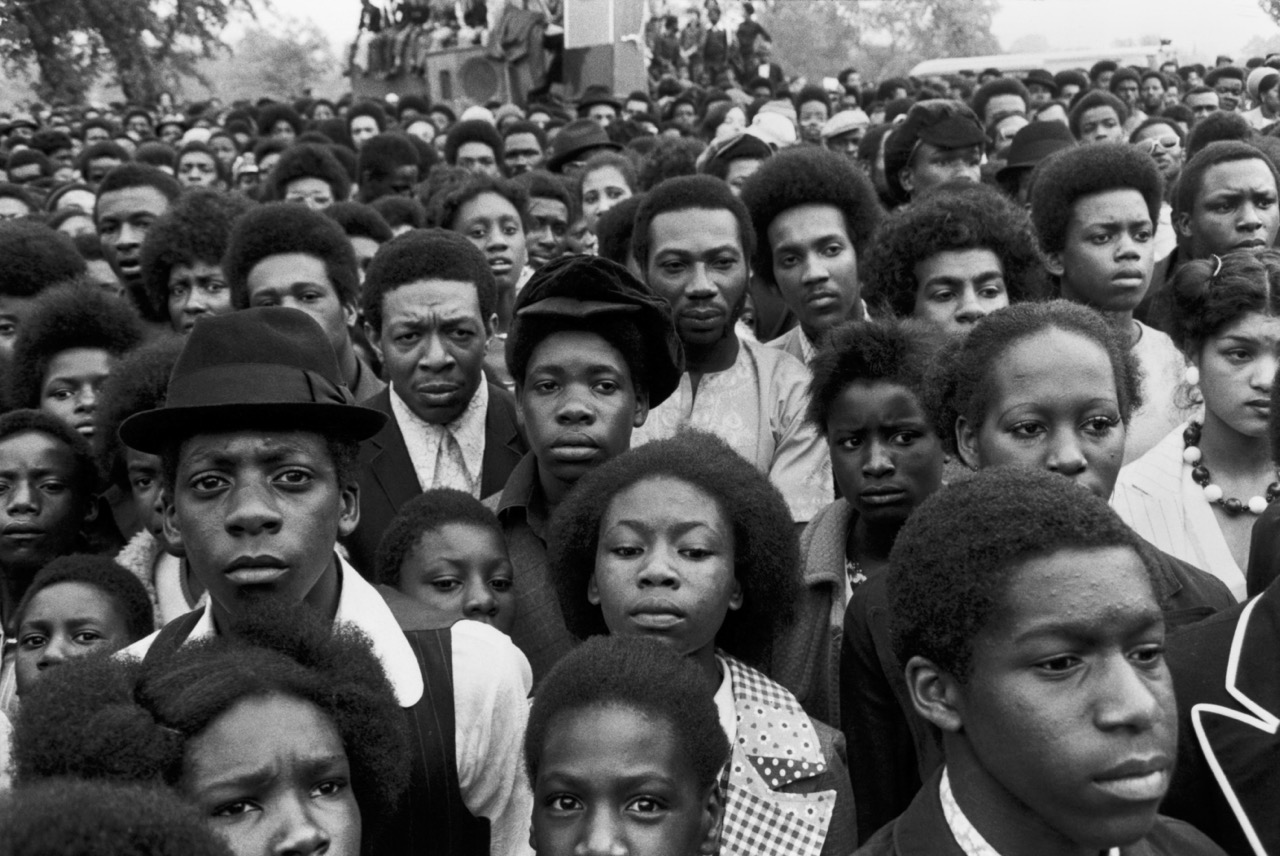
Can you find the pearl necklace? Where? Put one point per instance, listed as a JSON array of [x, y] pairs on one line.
[[1212, 492]]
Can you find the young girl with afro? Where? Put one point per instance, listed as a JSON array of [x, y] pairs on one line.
[[287, 740], [66, 350], [683, 541], [1047, 386], [625, 753]]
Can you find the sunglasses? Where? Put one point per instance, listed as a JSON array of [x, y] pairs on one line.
[[1150, 145]]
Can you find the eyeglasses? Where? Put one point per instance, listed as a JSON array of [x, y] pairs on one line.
[[1150, 144]]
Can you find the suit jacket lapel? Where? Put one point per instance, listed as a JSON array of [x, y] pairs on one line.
[[503, 447], [389, 459], [1240, 742]]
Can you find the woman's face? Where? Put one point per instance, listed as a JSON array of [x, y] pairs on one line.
[[1236, 366], [1162, 143], [665, 565], [602, 189], [272, 776], [735, 122], [1052, 405]]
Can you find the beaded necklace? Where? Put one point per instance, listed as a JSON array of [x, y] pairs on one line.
[[1212, 492]]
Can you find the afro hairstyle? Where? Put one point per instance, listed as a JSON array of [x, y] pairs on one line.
[[359, 220], [765, 546], [196, 228], [400, 212], [76, 315], [97, 151], [448, 202], [9, 190], [273, 114], [425, 513], [1191, 177], [382, 155], [268, 146], [960, 377], [950, 570], [643, 675], [1092, 100], [811, 92], [286, 227], [35, 258], [999, 86], [523, 126], [954, 217], [890, 351], [1208, 294], [671, 157], [366, 108], [614, 229], [688, 192], [427, 254], [50, 141], [1217, 126], [121, 587], [137, 174], [27, 157], [1061, 179], [307, 160], [809, 175], [108, 820], [126, 720], [472, 131], [157, 154], [197, 147], [139, 382], [540, 184], [85, 478]]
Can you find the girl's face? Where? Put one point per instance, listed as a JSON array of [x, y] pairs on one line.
[[602, 189], [665, 566], [64, 621], [885, 455], [71, 385], [272, 776], [1236, 369], [1052, 405], [461, 571]]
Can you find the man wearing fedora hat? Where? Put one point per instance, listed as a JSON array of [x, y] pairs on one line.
[[599, 105], [258, 437], [591, 349], [575, 143]]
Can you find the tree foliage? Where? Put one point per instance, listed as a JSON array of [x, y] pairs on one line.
[[142, 45], [280, 62], [881, 37]]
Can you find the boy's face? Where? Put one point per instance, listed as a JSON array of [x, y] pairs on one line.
[[612, 780], [64, 621], [957, 288], [1101, 125], [461, 571], [1236, 209], [933, 165], [494, 225], [146, 488], [1109, 252], [548, 235], [123, 218], [696, 264], [578, 404], [1068, 703], [41, 510], [71, 384], [433, 343], [257, 513], [816, 266], [885, 455]]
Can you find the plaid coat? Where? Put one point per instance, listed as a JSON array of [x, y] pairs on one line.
[[786, 787]]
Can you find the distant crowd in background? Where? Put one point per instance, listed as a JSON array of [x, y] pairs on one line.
[[738, 465]]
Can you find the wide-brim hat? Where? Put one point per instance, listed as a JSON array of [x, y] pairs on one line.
[[1042, 77], [1033, 144], [580, 135], [271, 368], [591, 288], [597, 94]]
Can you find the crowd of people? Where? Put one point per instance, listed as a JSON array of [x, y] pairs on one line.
[[737, 466]]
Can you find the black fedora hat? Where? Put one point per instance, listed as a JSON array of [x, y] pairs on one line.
[[577, 139], [597, 94], [585, 288], [1033, 144], [1042, 77], [270, 368]]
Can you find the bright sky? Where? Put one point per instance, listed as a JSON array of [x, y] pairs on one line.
[[1199, 27]]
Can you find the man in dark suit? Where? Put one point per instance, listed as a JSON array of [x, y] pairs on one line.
[[429, 307]]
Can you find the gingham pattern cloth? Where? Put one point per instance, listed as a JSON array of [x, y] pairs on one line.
[[776, 745]]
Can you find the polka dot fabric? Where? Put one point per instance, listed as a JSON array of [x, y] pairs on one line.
[[776, 746]]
